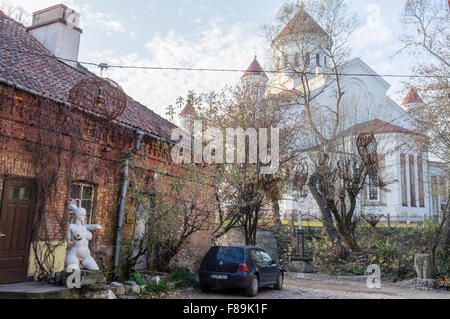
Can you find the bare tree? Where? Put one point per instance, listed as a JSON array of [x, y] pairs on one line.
[[427, 36], [174, 208], [310, 55], [16, 12], [243, 191]]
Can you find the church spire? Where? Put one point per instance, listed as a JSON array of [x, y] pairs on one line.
[[187, 117], [412, 97], [255, 78], [302, 5], [255, 69]]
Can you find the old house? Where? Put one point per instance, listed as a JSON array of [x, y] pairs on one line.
[[51, 151]]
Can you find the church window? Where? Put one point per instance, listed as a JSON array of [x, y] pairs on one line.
[[307, 59], [420, 180], [412, 181], [403, 180], [373, 190], [317, 59]]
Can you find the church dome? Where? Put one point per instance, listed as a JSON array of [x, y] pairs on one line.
[[188, 110], [302, 23], [412, 97], [255, 69]]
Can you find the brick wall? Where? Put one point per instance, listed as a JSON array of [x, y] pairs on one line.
[[91, 164]]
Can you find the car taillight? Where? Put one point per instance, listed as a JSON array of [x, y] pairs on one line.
[[243, 267], [203, 265]]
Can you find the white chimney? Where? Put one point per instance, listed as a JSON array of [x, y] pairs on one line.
[[57, 28]]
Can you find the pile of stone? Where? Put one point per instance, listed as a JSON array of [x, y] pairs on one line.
[[424, 280], [116, 290], [418, 283], [92, 285]]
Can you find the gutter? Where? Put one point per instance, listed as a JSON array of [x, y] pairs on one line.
[[123, 197]]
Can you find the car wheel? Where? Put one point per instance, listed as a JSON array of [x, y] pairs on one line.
[[252, 289], [279, 284], [205, 288]]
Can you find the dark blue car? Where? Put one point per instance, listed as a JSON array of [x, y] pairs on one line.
[[239, 267]]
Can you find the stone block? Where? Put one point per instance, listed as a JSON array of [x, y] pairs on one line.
[[117, 288], [301, 265], [88, 278], [130, 283], [97, 292], [132, 288], [423, 265], [111, 295]]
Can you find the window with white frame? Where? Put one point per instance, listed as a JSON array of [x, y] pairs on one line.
[[83, 194], [373, 191]]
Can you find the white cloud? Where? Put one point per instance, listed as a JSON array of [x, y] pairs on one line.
[[216, 47], [376, 43], [180, 11], [375, 31], [104, 21]]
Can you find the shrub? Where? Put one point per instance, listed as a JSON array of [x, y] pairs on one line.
[[152, 288], [183, 278], [393, 249], [137, 278]]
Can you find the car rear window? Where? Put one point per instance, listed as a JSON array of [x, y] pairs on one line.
[[230, 254]]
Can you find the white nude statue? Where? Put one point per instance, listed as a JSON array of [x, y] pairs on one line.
[[79, 235]]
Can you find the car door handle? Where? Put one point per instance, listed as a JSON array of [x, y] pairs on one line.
[[2, 235]]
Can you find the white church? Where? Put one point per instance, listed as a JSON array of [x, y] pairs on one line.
[[414, 183]]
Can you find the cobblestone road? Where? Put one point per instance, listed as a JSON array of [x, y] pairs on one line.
[[322, 287]]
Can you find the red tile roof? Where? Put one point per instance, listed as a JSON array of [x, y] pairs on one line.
[[375, 126], [188, 110], [412, 97], [302, 23], [26, 62], [288, 95], [254, 69]]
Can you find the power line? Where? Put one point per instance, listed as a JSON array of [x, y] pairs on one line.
[[104, 66]]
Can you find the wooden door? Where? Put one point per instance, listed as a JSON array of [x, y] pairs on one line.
[[16, 218]]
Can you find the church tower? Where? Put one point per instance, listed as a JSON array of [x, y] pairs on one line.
[[299, 43], [187, 117], [412, 101], [255, 78], [298, 47]]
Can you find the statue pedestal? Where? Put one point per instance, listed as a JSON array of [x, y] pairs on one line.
[[87, 278], [301, 264], [423, 265]]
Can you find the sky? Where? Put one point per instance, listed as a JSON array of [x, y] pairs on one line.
[[209, 34]]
